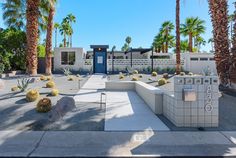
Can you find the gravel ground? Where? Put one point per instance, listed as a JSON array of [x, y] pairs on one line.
[[18, 114]]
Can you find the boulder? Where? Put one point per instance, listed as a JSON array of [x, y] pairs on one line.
[[63, 106]]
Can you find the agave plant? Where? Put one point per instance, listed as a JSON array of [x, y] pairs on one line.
[[66, 71], [23, 84]]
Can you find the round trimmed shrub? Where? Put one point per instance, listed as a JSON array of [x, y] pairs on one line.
[[44, 105], [55, 92], [135, 72], [70, 79], [154, 74], [50, 84], [14, 89], [32, 95], [162, 81]]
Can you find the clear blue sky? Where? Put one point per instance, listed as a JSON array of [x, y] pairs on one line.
[[111, 21]]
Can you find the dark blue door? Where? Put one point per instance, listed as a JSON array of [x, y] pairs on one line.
[[100, 62]]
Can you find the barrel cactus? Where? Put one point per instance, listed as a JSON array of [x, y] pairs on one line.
[[14, 89], [43, 78], [32, 95], [55, 92], [50, 84], [135, 72], [134, 79], [70, 78], [154, 74], [162, 81], [44, 105]]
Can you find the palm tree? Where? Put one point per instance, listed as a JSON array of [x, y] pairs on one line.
[[48, 59], [71, 19], [158, 43], [192, 27], [219, 17], [64, 31], [32, 16], [211, 41], [56, 27], [166, 29], [178, 60], [128, 40]]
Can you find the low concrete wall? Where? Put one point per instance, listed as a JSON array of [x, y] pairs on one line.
[[120, 86], [151, 95]]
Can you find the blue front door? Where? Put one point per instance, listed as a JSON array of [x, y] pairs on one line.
[[100, 62]]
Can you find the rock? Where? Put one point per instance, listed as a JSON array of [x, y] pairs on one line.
[[63, 106], [2, 85], [32, 80]]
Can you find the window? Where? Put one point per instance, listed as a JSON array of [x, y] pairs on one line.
[[203, 59], [211, 59], [194, 59], [68, 58]]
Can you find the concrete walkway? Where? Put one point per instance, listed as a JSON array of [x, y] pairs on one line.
[[147, 143], [125, 111]]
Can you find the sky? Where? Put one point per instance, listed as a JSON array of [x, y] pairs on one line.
[[109, 22]]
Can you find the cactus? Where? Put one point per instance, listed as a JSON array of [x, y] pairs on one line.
[[165, 75], [32, 95], [44, 105], [43, 78], [70, 78], [14, 89], [23, 84], [182, 73], [55, 92], [49, 78], [135, 72], [190, 74], [134, 79], [50, 84], [154, 74], [121, 77], [140, 76], [162, 81]]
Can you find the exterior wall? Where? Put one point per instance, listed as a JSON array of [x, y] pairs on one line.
[[80, 63]]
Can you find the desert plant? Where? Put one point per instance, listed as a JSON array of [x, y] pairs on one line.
[[154, 74], [14, 89], [50, 84], [140, 76], [49, 78], [71, 78], [32, 95], [66, 71], [23, 84], [121, 77], [55, 92], [182, 74], [162, 81], [190, 74], [135, 72], [135, 79], [44, 105], [165, 76], [43, 78]]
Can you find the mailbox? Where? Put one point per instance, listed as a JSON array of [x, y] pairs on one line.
[[189, 95]]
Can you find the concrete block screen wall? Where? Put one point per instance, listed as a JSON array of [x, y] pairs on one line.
[[200, 112]]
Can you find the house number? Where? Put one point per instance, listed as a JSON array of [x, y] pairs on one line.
[[208, 106]]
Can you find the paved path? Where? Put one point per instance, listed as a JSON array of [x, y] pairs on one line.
[[149, 143], [125, 111]]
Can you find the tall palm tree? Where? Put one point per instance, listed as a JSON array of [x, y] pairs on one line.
[[48, 59], [211, 41], [178, 60], [219, 17], [56, 27], [32, 16], [71, 19], [65, 26], [166, 29], [128, 40], [192, 27], [158, 43]]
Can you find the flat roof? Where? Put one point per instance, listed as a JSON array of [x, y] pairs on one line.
[[99, 46]]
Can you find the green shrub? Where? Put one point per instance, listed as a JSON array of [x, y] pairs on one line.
[[2, 68]]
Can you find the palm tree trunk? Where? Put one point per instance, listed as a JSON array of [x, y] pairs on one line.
[[178, 61], [167, 43], [163, 48], [190, 44], [71, 41], [48, 58], [32, 15], [219, 18]]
